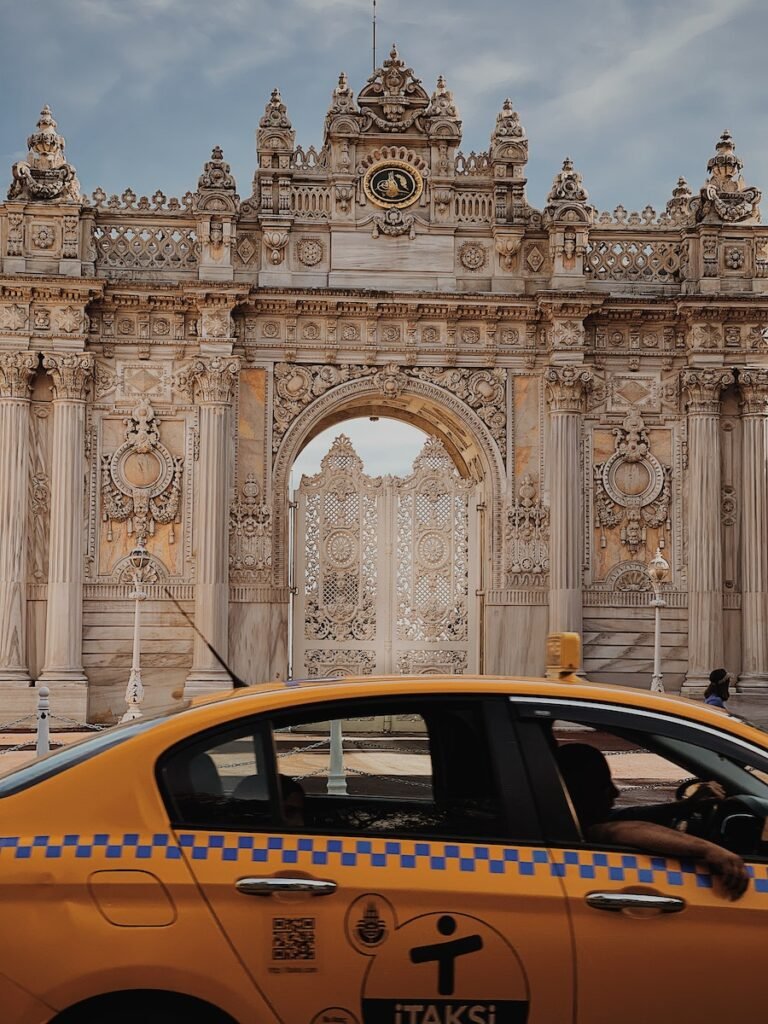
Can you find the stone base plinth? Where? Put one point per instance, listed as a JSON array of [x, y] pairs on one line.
[[18, 699], [68, 699], [694, 686], [752, 683]]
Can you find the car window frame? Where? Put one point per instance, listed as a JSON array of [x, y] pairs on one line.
[[507, 762], [252, 723], [559, 822]]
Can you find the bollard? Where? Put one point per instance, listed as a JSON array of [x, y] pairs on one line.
[[43, 721], [337, 779]]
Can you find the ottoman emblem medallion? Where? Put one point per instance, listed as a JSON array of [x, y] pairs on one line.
[[393, 184]]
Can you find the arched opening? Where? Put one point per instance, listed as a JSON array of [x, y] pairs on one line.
[[384, 544]]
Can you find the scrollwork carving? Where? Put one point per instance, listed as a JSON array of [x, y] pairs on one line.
[[632, 488], [702, 388], [250, 534], [567, 387], [212, 381], [527, 537], [71, 375], [16, 372], [141, 481]]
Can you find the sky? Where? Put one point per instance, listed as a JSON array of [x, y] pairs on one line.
[[637, 92], [385, 446]]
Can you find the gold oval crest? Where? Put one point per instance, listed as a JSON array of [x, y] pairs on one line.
[[393, 184]]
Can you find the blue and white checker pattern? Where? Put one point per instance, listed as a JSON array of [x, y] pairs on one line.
[[321, 851]]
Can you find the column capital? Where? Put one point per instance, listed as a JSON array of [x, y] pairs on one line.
[[71, 374], [16, 372], [753, 385], [567, 387], [702, 389], [212, 381]]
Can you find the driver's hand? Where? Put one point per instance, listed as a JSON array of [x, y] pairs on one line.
[[707, 791], [729, 868]]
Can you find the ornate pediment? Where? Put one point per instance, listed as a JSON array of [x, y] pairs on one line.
[[393, 99]]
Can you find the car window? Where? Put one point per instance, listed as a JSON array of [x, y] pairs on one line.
[[219, 780], [659, 769], [421, 768]]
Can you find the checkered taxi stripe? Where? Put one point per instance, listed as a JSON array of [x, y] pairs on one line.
[[320, 851]]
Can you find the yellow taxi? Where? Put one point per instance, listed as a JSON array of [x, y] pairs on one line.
[[383, 851]]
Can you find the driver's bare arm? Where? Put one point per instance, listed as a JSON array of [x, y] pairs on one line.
[[646, 835]]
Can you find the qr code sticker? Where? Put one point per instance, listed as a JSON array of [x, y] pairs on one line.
[[293, 938]]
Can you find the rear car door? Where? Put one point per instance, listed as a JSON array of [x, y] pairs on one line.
[[695, 956], [403, 883]]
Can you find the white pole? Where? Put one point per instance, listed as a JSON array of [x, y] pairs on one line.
[[134, 693], [43, 721], [337, 780], [658, 568], [657, 684]]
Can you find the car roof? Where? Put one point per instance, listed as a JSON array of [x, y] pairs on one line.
[[573, 688]]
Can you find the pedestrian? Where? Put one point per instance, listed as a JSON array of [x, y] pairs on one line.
[[717, 692]]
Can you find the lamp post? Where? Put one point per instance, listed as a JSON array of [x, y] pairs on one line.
[[134, 693], [658, 568]]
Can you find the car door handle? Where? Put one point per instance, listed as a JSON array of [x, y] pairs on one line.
[[616, 901], [275, 886]]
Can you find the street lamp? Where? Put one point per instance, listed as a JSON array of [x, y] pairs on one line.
[[134, 693], [658, 568]]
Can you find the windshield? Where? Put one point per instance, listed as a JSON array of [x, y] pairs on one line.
[[17, 779]]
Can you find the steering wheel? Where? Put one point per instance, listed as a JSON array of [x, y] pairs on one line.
[[696, 817]]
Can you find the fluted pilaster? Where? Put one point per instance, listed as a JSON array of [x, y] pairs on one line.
[[71, 375], [214, 381], [566, 389], [754, 594], [705, 546], [16, 371]]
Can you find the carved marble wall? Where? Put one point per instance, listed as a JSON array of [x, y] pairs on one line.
[[597, 379]]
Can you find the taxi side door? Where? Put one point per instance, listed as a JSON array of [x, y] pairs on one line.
[[415, 890], [676, 949]]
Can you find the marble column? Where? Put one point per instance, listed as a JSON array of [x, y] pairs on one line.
[[702, 388], [754, 574], [214, 382], [16, 371], [71, 375], [566, 389]]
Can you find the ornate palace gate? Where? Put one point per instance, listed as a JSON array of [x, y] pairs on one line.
[[385, 569]]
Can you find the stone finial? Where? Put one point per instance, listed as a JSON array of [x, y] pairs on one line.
[[725, 164], [275, 113], [679, 205], [45, 175], [508, 124], [568, 186], [393, 96], [442, 103], [725, 196], [216, 174], [343, 99]]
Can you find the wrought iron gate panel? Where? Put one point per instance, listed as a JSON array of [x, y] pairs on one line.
[[384, 568]]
